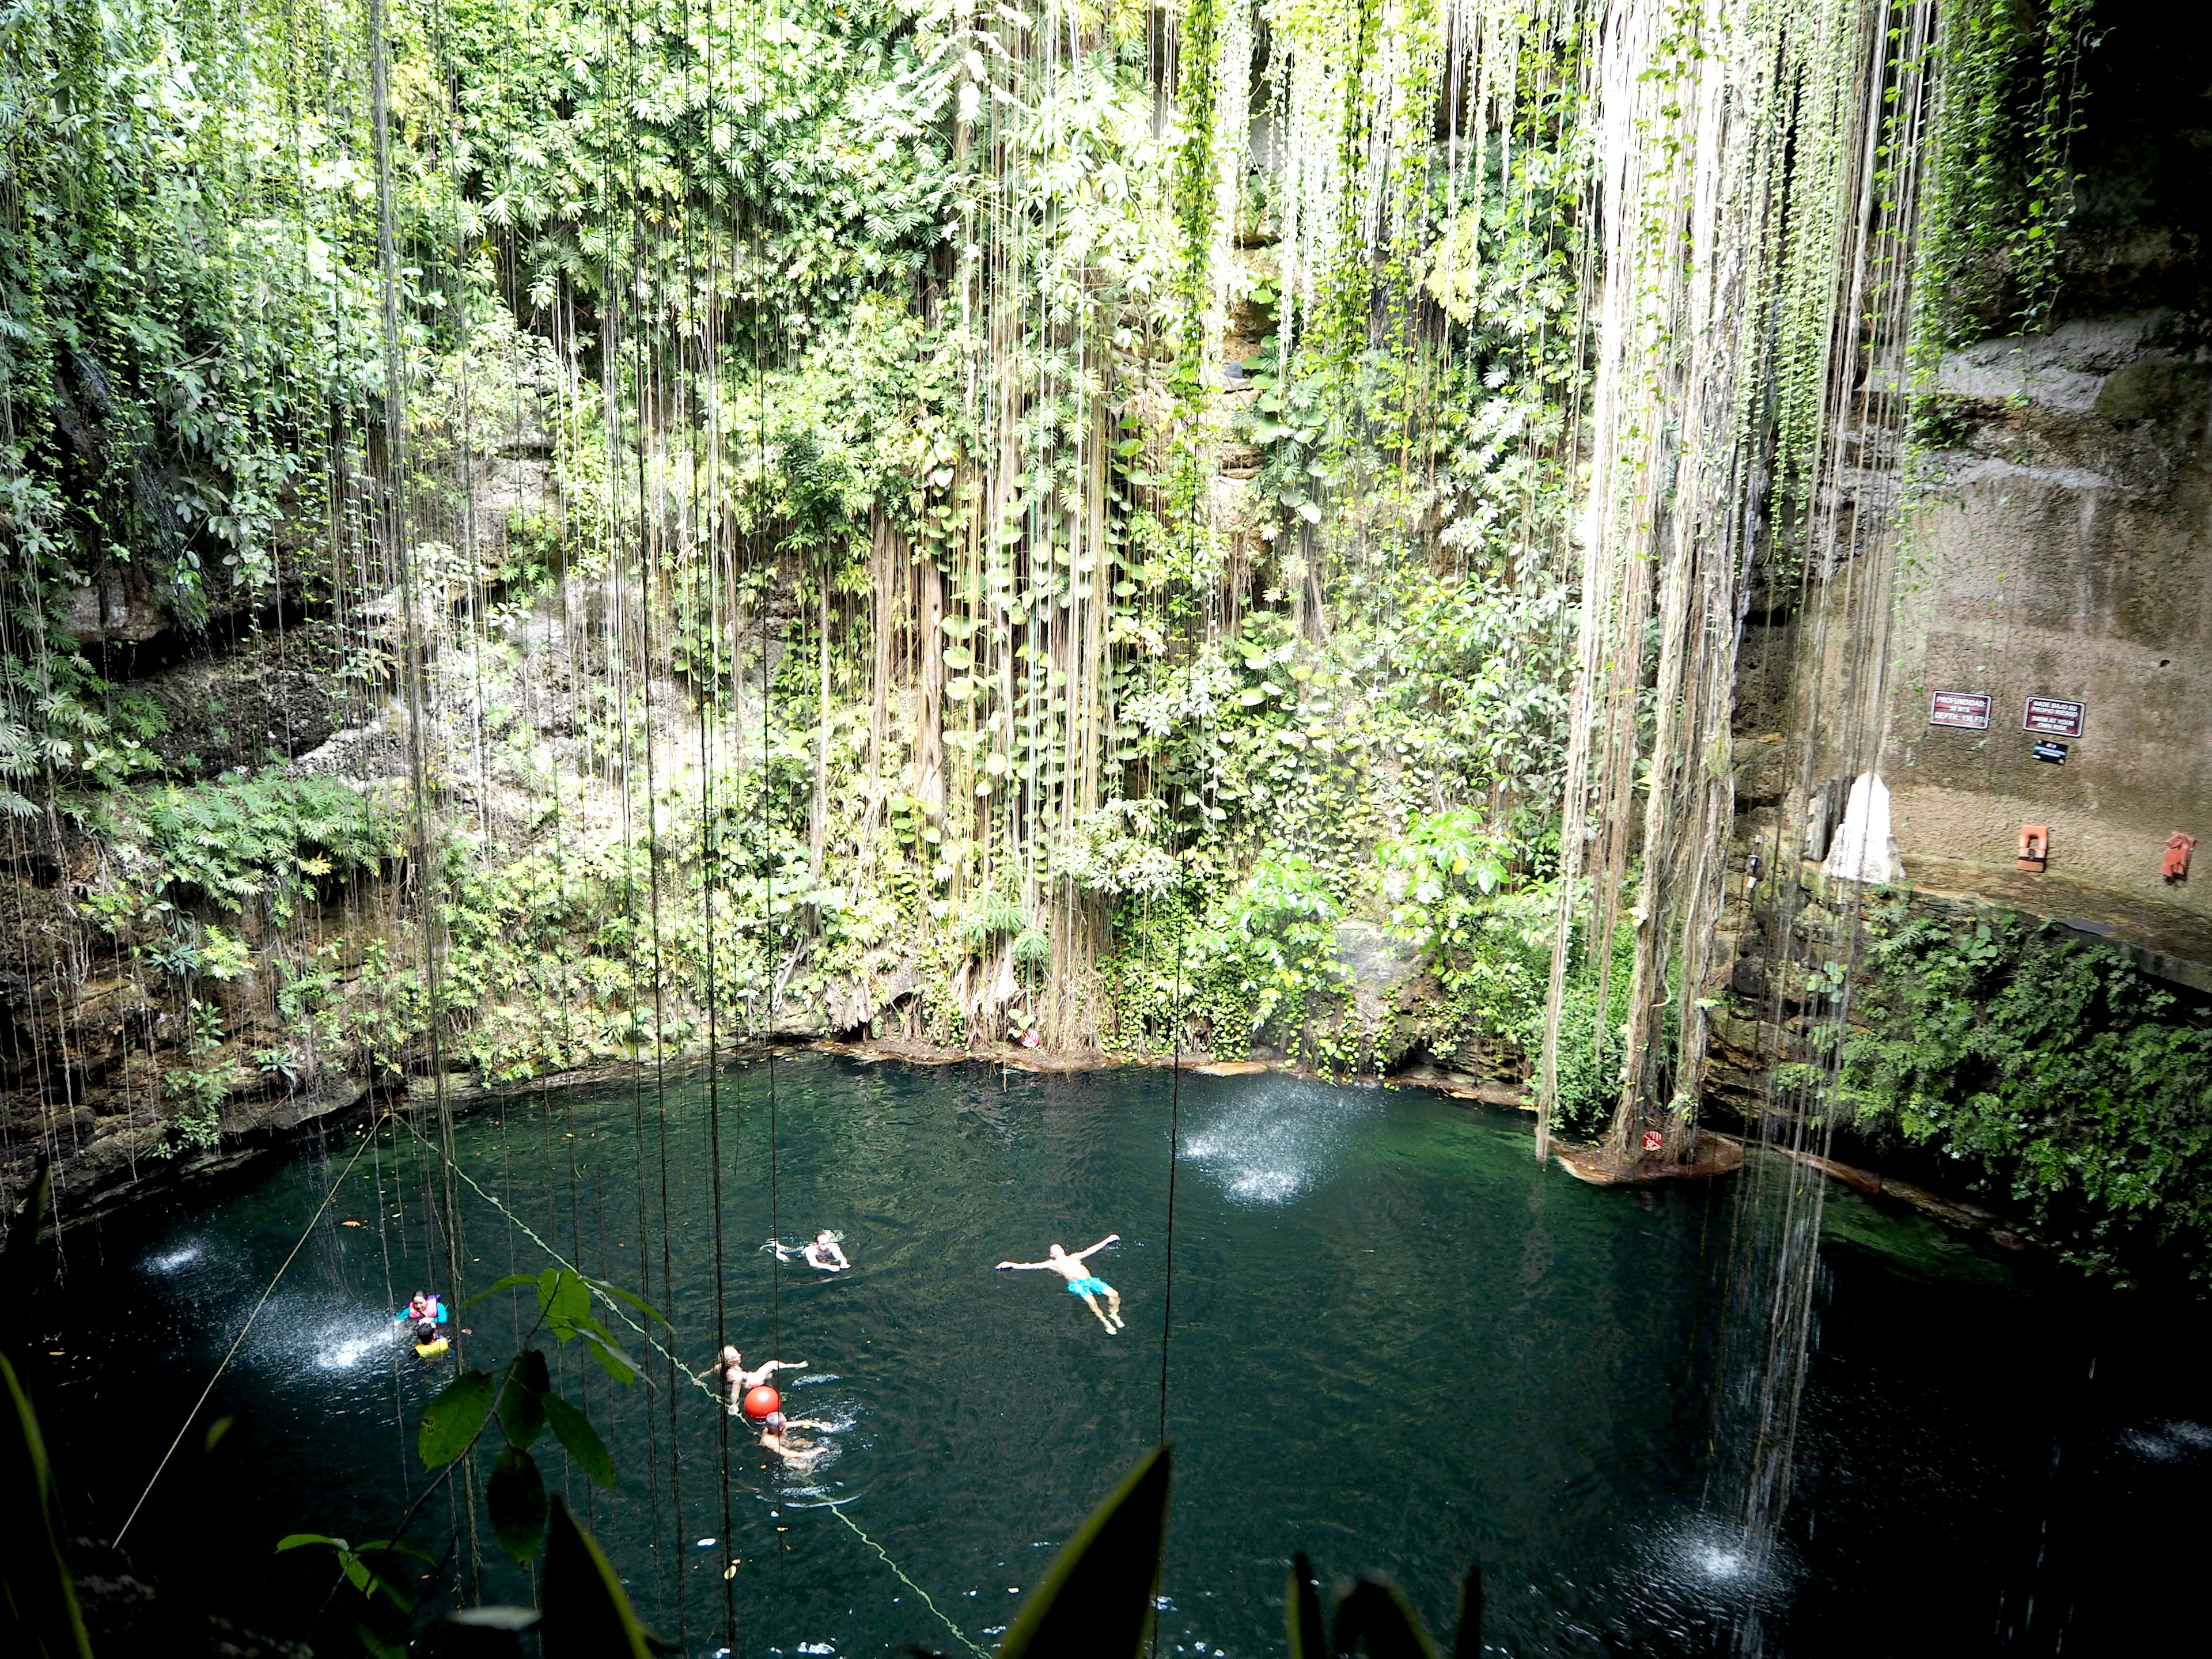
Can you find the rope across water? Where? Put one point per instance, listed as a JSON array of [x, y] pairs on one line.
[[300, 1243], [646, 1336]]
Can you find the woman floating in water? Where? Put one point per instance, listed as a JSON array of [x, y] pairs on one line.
[[421, 1306], [824, 1251], [1081, 1281], [735, 1379], [775, 1436]]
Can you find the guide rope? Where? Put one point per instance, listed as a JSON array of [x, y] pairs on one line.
[[298, 1245], [654, 1342]]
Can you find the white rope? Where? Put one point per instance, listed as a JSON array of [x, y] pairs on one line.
[[247, 1327], [623, 1313]]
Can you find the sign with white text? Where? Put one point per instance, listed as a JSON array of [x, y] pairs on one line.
[[2054, 717], [1967, 710]]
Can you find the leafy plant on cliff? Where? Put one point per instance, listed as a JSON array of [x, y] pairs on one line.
[[2055, 1072]]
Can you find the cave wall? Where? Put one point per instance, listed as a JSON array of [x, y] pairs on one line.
[[2066, 554], [2065, 549]]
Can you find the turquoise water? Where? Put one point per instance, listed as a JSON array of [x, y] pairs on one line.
[[1396, 1343]]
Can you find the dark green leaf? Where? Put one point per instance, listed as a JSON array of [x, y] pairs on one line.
[[1302, 1621], [1376, 1614], [580, 1439], [456, 1416], [300, 1540], [1096, 1601], [562, 1297], [394, 1547], [522, 1400], [216, 1429], [612, 1360], [36, 1590], [506, 1284], [516, 1498], [635, 1301], [376, 1646], [586, 1616], [1467, 1645]]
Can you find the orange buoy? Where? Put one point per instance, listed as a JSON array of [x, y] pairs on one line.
[[761, 1401]]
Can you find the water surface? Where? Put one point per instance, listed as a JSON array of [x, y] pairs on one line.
[[1396, 1344]]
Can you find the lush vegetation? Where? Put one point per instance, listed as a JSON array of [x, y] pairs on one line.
[[898, 516], [2065, 1081]]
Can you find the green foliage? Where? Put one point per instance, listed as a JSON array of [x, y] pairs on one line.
[[2001, 187], [2056, 1072], [196, 1121], [270, 840], [584, 1607]]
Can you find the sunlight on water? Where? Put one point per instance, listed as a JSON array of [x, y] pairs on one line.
[[171, 1261], [1707, 1562], [1272, 1143]]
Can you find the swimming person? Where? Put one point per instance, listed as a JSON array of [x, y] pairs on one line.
[[735, 1379], [428, 1345], [774, 1431], [1081, 1281], [422, 1305], [823, 1251]]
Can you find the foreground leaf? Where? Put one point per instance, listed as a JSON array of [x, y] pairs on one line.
[[586, 1615], [516, 1498], [1302, 1621], [38, 1598], [580, 1440], [506, 1284], [455, 1419], [1096, 1601], [522, 1400], [1376, 1614], [1467, 1645]]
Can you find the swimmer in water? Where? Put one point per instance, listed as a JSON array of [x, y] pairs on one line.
[[735, 1379], [1081, 1281], [775, 1436], [422, 1305], [428, 1345], [823, 1251]]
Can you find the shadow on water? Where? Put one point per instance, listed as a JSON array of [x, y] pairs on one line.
[[1397, 1344]]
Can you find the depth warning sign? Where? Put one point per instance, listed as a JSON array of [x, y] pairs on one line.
[[1969, 710]]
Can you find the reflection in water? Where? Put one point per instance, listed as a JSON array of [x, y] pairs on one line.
[[170, 1261], [1270, 1143]]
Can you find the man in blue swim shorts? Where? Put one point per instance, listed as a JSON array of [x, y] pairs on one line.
[[1081, 1281]]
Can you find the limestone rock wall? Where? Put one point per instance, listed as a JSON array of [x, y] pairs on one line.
[[2066, 553]]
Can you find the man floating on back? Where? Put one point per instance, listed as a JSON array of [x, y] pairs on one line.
[[1081, 1281]]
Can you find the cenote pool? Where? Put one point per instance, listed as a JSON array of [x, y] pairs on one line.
[[1397, 1344]]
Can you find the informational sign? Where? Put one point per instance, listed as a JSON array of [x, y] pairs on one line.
[[1967, 710], [2054, 717], [2053, 752]]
